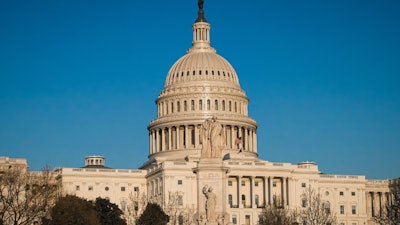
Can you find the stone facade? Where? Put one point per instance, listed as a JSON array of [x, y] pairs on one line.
[[231, 185]]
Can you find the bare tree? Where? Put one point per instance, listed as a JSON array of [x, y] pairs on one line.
[[277, 215], [135, 207], [391, 213], [25, 197], [177, 212], [315, 210]]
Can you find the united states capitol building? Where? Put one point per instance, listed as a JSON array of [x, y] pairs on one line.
[[203, 165]]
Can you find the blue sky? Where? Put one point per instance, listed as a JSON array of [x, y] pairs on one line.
[[80, 78]]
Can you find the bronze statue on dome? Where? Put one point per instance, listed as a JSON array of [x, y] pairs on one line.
[[200, 3]]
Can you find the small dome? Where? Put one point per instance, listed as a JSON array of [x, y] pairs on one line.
[[201, 66]]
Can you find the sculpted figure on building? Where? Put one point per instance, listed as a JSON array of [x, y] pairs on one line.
[[212, 138], [211, 199]]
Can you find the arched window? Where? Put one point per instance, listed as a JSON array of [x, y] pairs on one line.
[[327, 207], [230, 106], [303, 202], [185, 105], [223, 105], [172, 107], [216, 105], [208, 104], [200, 104], [192, 105], [123, 205]]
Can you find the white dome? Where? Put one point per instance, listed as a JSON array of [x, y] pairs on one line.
[[201, 66]]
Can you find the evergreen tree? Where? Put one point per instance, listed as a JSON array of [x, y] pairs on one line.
[[108, 212], [153, 214], [72, 210]]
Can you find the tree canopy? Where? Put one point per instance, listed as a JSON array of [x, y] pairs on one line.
[[73, 210], [153, 214], [108, 212]]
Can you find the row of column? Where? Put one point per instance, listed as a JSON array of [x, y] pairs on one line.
[[271, 193], [377, 202], [188, 137]]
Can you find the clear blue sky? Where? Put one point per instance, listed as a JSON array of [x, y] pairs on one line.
[[79, 78]]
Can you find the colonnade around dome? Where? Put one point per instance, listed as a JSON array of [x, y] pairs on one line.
[[186, 137]]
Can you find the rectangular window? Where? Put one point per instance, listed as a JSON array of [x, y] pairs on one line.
[[179, 182], [90, 188], [229, 183], [234, 219], [342, 209], [230, 201], [256, 183], [77, 188], [180, 200], [303, 185], [122, 188], [353, 193], [136, 189], [274, 184], [353, 209], [341, 193], [243, 183], [303, 203]]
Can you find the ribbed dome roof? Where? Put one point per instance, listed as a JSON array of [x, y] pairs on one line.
[[201, 63], [201, 66]]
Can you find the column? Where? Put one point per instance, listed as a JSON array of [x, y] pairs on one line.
[[151, 142], [246, 145], [233, 138], [169, 138], [157, 140], [283, 191], [380, 203], [162, 139], [270, 190], [251, 141], [255, 141], [177, 137], [288, 199], [186, 137], [241, 135], [373, 204], [252, 195], [264, 191], [239, 193], [196, 137]]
